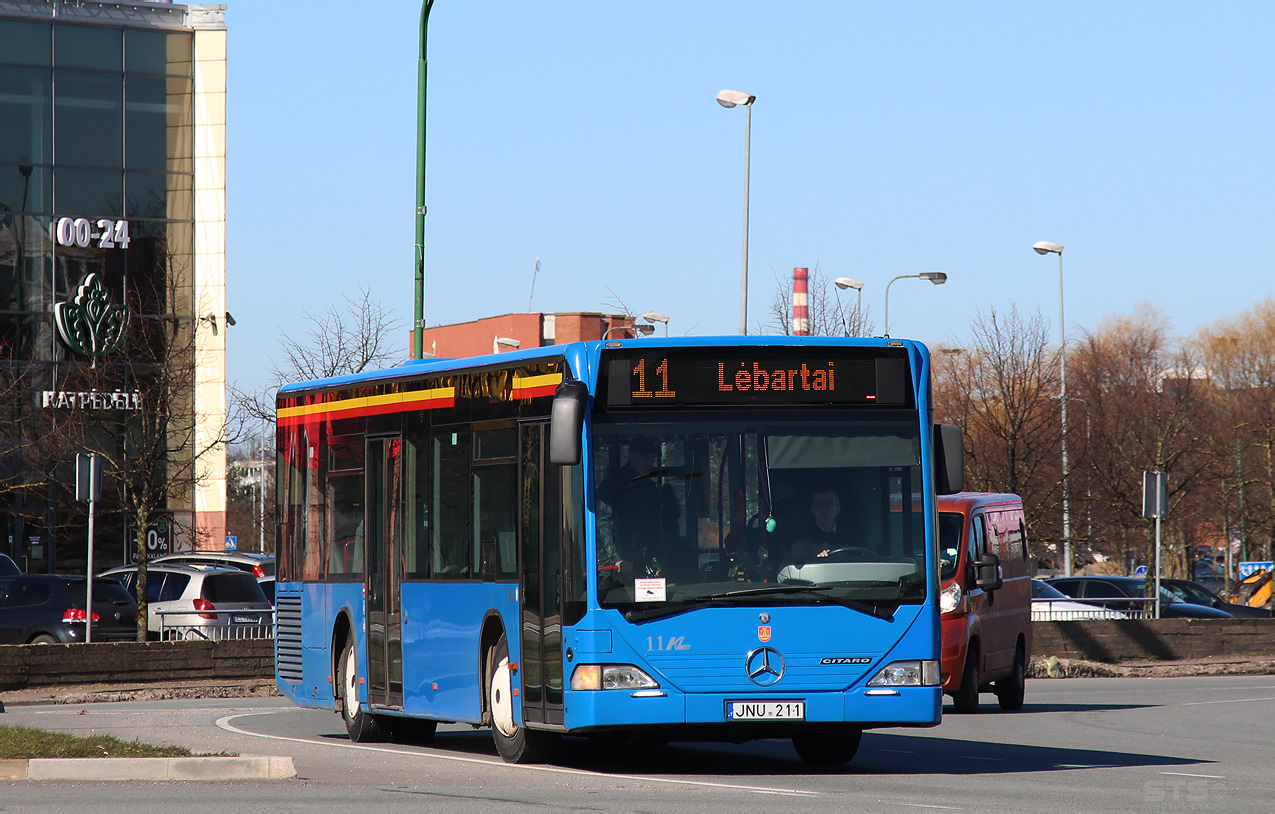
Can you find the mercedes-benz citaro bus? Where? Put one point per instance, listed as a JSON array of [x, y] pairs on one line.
[[701, 539]]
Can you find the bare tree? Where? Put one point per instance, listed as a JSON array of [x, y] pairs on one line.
[[1143, 392], [1001, 389], [156, 451], [362, 335], [830, 314], [1238, 354]]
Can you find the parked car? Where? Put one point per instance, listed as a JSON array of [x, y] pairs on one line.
[[985, 598], [1116, 593], [8, 568], [188, 601], [49, 609], [267, 587], [1187, 591], [259, 565], [1051, 605]]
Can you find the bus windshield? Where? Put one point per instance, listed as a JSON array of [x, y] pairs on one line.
[[780, 507]]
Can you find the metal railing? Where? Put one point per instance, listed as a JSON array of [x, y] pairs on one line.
[[1049, 610], [243, 624]]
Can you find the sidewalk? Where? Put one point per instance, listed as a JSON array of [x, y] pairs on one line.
[[97, 693]]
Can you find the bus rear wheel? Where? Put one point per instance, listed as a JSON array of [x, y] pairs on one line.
[[515, 744], [828, 748], [362, 725]]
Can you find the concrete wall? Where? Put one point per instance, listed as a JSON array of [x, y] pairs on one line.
[[1110, 640], [23, 666]]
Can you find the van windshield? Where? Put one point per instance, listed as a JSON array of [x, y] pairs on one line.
[[951, 530]]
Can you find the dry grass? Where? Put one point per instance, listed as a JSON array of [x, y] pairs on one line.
[[21, 742]]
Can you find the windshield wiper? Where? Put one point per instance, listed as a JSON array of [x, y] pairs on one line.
[[885, 612], [667, 474]]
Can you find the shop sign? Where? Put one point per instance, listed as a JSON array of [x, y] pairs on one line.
[[159, 536], [91, 324], [91, 400]]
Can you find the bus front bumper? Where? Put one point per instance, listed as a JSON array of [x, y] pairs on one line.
[[706, 712]]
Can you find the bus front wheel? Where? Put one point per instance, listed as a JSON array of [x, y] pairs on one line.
[[516, 744], [361, 725]]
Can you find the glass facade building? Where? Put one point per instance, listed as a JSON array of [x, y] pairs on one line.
[[112, 209]]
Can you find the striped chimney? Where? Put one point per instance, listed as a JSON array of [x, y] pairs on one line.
[[800, 302]]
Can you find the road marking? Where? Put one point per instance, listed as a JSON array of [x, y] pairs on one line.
[[1188, 774], [925, 805], [1226, 701], [224, 723]]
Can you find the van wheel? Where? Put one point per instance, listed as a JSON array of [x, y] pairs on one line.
[[828, 748], [515, 744], [1011, 689], [966, 698], [362, 726]]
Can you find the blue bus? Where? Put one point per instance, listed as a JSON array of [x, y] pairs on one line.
[[701, 539]]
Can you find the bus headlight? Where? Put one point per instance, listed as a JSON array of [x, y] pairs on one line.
[[950, 598], [907, 674], [611, 677]]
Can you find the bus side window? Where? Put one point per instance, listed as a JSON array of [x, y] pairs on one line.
[[451, 548]]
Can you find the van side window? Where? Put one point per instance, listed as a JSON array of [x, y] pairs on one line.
[[978, 537]]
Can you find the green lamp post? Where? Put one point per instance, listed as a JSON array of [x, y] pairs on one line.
[[418, 313]]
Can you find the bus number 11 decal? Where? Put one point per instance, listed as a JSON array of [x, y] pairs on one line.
[[674, 643]]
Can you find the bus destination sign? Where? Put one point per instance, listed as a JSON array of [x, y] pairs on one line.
[[666, 377]]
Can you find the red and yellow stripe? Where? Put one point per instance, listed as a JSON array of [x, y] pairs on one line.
[[530, 387], [432, 399]]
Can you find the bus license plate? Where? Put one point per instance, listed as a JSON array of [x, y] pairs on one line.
[[765, 710]]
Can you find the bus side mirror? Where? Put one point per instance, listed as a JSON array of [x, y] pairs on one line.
[[949, 459], [566, 420], [987, 572]]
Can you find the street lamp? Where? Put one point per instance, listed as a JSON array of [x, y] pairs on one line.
[[936, 277], [731, 98], [656, 316], [638, 329], [842, 283], [506, 342], [1056, 248]]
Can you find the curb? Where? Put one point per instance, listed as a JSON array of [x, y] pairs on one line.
[[150, 768]]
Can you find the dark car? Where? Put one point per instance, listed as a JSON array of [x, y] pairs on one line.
[[1194, 592], [49, 609], [8, 568], [1117, 592]]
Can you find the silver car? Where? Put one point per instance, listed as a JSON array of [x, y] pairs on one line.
[[201, 602]]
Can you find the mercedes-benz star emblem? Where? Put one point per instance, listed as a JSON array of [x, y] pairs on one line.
[[765, 666]]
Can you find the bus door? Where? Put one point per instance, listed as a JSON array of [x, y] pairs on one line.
[[540, 584], [384, 574]]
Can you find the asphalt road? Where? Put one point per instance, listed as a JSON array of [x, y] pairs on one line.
[[1098, 744]]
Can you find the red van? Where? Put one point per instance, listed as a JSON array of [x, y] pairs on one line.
[[985, 598]]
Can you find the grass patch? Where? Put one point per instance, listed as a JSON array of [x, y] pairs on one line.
[[22, 742]]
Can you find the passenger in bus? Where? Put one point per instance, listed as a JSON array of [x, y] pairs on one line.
[[639, 514]]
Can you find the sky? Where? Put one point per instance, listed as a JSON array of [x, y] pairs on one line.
[[887, 139]]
